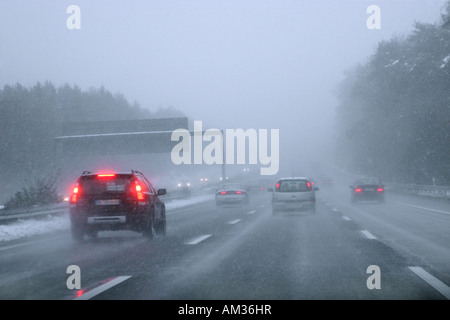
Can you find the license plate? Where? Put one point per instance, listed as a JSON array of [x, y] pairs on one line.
[[107, 202], [369, 189]]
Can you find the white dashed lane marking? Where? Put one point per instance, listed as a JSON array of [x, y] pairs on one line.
[[368, 234], [251, 212], [346, 218], [432, 281], [86, 295], [199, 239], [234, 221]]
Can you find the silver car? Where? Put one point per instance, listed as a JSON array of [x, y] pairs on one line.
[[232, 194], [293, 193]]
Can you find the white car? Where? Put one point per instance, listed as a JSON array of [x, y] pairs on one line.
[[293, 193], [231, 194]]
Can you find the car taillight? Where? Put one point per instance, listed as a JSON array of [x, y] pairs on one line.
[[223, 192], [358, 190], [139, 193], [75, 193], [238, 192], [380, 189]]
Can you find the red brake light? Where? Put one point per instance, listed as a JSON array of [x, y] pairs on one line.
[[308, 184], [358, 190], [223, 192], [75, 193], [277, 185], [238, 192], [380, 189], [139, 193], [106, 175]]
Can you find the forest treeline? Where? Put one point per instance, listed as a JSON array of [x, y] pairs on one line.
[[393, 118], [30, 118]]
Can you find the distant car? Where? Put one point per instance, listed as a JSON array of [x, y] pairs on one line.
[[256, 187], [184, 188], [325, 181], [367, 188], [293, 193], [232, 194], [116, 201]]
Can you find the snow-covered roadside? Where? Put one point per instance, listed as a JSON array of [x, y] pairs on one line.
[[178, 203], [33, 227]]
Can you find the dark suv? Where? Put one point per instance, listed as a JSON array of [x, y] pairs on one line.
[[116, 201]]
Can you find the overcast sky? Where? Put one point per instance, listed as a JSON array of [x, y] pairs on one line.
[[230, 63]]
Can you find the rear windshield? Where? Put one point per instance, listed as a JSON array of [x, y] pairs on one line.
[[293, 186], [95, 185], [234, 186], [367, 181]]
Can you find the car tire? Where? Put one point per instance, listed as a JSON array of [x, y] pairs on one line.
[[77, 232], [93, 234], [149, 229], [161, 229]]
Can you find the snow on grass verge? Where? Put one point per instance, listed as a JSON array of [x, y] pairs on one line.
[[32, 227], [28, 228]]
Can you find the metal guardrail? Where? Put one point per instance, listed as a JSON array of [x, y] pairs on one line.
[[440, 192], [10, 215], [430, 191]]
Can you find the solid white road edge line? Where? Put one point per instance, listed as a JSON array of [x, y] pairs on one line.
[[199, 239], [368, 234], [423, 208], [92, 293], [432, 281]]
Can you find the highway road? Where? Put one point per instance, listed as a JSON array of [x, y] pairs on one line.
[[395, 250]]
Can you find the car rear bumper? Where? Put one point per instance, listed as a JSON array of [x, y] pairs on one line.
[[133, 220], [231, 199], [368, 196], [293, 205]]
